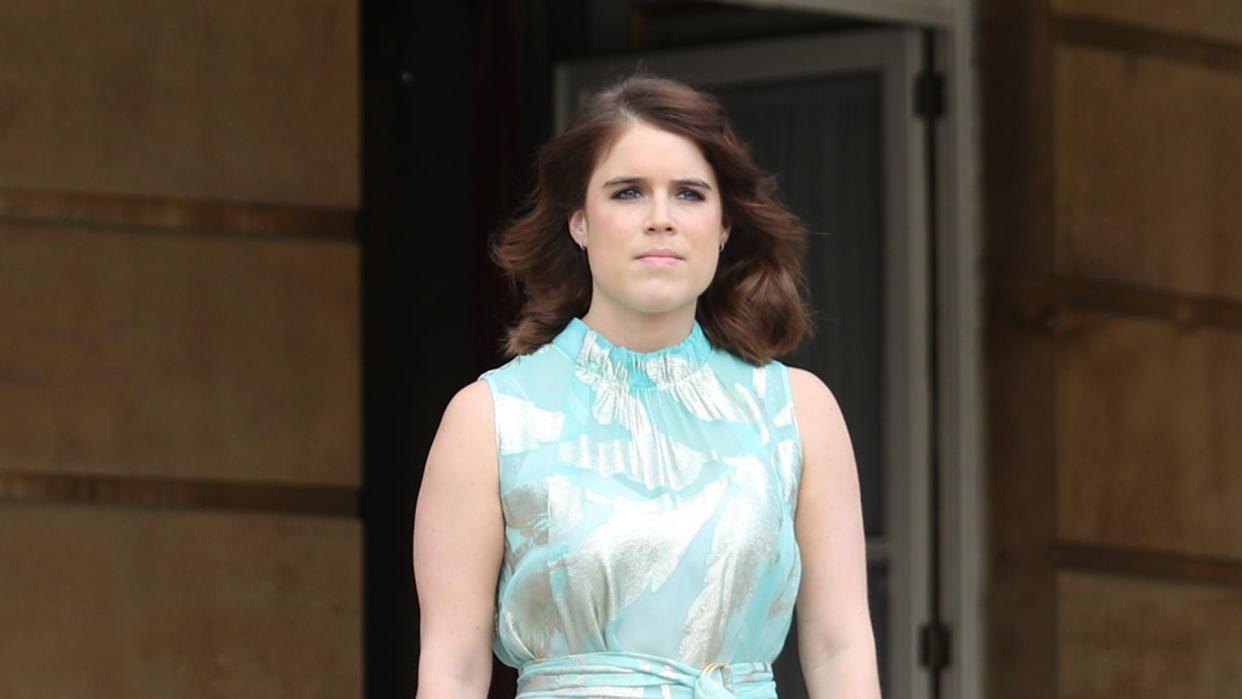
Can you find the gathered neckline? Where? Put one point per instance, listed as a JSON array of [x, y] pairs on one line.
[[596, 357]]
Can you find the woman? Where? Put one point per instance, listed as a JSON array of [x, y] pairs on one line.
[[634, 504]]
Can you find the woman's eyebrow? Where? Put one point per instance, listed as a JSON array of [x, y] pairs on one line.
[[623, 180], [685, 182], [693, 182]]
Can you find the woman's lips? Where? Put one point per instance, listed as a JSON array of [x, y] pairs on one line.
[[661, 260]]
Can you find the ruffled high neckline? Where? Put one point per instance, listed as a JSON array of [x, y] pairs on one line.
[[597, 358]]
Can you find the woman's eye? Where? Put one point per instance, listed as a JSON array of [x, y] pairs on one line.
[[627, 193], [691, 194]]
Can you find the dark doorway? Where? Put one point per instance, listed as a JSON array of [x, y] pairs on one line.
[[456, 99]]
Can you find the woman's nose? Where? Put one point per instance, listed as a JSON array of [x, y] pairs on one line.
[[658, 219]]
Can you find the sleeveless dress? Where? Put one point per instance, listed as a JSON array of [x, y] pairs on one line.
[[648, 502]]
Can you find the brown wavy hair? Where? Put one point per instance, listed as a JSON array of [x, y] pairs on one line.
[[753, 306]]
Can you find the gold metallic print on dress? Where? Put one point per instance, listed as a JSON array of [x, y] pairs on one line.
[[643, 458], [538, 513], [522, 426], [648, 503], [755, 412], [789, 466], [542, 512], [530, 619], [743, 544], [650, 455], [706, 398], [634, 550]]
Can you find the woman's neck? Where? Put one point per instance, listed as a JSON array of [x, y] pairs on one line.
[[641, 332]]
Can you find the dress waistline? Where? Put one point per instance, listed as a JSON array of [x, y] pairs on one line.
[[620, 674]]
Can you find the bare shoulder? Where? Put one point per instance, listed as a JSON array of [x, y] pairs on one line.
[[470, 406], [464, 439], [812, 398], [821, 425]]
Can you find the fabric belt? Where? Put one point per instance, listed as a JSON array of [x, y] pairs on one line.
[[618, 674]]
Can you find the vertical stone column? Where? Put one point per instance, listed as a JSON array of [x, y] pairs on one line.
[[1115, 346], [179, 349]]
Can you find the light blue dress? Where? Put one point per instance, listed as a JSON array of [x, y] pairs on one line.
[[648, 503]]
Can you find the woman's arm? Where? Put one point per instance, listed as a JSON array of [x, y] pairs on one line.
[[458, 544], [835, 642]]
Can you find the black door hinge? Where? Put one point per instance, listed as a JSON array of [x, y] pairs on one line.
[[929, 95], [934, 646]]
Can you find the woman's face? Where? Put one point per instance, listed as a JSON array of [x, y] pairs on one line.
[[651, 222]]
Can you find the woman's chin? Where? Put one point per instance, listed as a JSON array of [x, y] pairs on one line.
[[660, 306], [662, 298]]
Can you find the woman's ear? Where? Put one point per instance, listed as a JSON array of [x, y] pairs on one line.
[[577, 228]]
